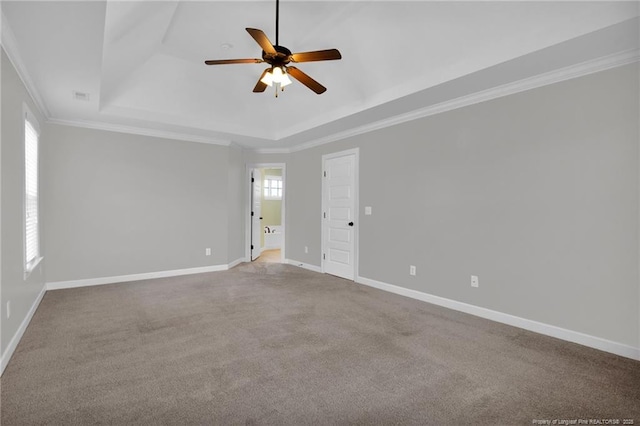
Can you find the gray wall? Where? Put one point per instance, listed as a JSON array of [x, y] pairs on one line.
[[537, 193], [119, 204], [236, 197], [252, 157], [21, 293]]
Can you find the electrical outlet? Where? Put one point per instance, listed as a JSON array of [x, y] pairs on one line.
[[475, 282], [306, 249], [207, 252], [8, 309], [412, 270]]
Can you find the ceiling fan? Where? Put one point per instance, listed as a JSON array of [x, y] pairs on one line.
[[279, 58]]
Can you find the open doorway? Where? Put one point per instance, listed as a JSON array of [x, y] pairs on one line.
[[266, 213]]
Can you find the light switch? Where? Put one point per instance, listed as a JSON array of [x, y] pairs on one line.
[[367, 211]]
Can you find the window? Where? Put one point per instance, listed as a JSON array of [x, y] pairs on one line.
[[31, 222], [272, 189]]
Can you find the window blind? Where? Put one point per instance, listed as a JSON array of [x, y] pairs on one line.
[[32, 232]]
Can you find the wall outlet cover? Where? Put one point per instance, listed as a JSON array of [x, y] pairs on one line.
[[475, 282]]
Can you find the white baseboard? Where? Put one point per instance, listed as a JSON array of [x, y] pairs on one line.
[[13, 344], [313, 268], [535, 326], [57, 285]]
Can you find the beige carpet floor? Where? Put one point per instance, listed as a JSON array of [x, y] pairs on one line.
[[274, 344]]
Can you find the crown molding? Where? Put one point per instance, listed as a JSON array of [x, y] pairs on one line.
[[142, 131], [10, 45], [272, 150], [540, 80]]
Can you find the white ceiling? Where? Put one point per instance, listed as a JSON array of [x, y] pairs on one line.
[[141, 62]]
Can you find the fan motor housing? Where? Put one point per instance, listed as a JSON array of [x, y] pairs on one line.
[[280, 58]]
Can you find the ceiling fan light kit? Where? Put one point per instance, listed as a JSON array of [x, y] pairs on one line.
[[277, 76], [279, 57]]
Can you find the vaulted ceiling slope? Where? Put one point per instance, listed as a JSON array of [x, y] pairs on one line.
[[138, 65]]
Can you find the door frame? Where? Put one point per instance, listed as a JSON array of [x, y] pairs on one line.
[[255, 251], [247, 210], [356, 209]]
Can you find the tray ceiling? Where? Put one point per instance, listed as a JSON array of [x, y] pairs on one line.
[[141, 62]]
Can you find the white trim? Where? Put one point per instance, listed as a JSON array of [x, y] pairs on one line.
[[247, 212], [142, 131], [10, 46], [303, 265], [638, 234], [13, 344], [57, 285], [540, 80], [356, 206], [535, 326]]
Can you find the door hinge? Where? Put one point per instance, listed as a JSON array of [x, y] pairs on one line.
[[252, 180], [324, 256], [325, 174], [251, 246], [251, 214], [324, 214]]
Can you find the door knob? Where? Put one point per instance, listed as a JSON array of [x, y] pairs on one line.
[[350, 223], [260, 218]]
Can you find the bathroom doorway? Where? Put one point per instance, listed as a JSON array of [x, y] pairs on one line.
[[266, 213]]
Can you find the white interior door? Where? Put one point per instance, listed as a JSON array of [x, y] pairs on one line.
[[339, 215], [256, 213]]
